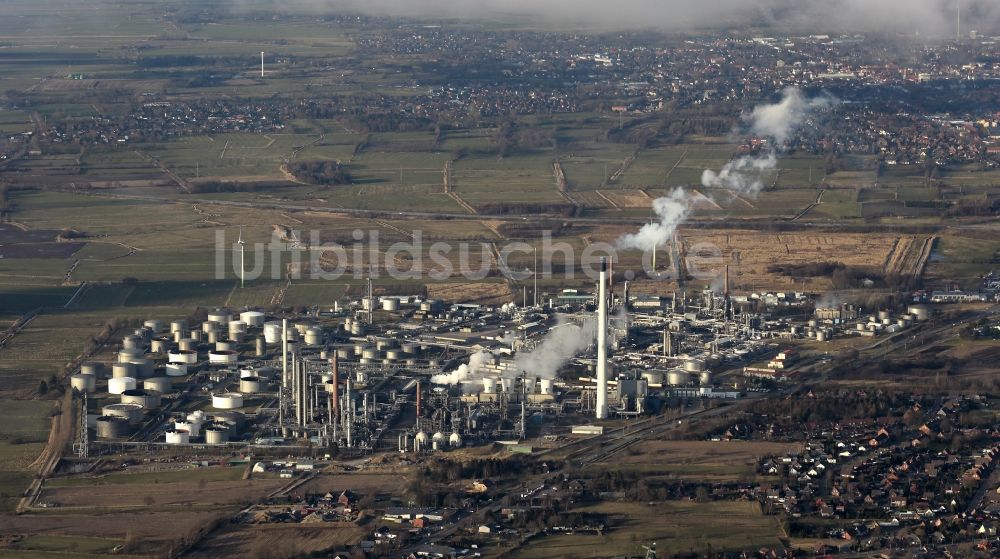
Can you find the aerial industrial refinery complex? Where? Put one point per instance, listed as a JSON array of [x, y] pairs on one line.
[[415, 375]]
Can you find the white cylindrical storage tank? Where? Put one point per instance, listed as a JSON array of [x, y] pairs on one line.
[[410, 348], [222, 316], [237, 327], [919, 312], [455, 440], [227, 401], [144, 368], [821, 335], [883, 315], [118, 385], [694, 365], [128, 354], [178, 326], [272, 332], [187, 344], [209, 326], [183, 356], [92, 368], [653, 377], [110, 427], [489, 385], [529, 385], [677, 377], [130, 412], [216, 435], [390, 304], [250, 385], [131, 342], [252, 318], [546, 386], [233, 420], [226, 345], [357, 329], [395, 355], [176, 436], [83, 383], [223, 357], [439, 439], [163, 385], [314, 336], [196, 416], [212, 337], [370, 353], [123, 370], [385, 343], [176, 369], [145, 398], [705, 378], [192, 427], [160, 345], [155, 325], [507, 384]]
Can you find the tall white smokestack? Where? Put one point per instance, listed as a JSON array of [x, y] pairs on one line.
[[602, 343]]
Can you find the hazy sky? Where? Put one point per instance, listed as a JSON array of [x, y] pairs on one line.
[[926, 16]]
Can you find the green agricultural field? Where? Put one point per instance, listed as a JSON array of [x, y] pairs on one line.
[[963, 259]]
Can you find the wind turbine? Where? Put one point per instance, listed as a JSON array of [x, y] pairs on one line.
[[242, 267]]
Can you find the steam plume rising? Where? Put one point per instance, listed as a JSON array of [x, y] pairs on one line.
[[743, 175], [778, 122], [782, 119], [470, 372], [672, 210], [563, 342]]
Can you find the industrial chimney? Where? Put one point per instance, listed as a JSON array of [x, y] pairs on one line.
[[602, 343]]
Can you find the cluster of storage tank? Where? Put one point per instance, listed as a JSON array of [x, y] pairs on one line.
[[690, 370], [216, 428], [133, 376], [494, 385], [384, 351], [884, 321], [421, 442], [815, 331]]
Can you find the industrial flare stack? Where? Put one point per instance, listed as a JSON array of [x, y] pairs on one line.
[[602, 343]]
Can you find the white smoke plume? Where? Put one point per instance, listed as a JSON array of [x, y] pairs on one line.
[[466, 373], [742, 175], [563, 342], [780, 120], [777, 122], [671, 210]]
